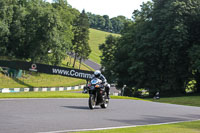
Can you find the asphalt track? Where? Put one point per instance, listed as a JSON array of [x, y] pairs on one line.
[[92, 64], [64, 115]]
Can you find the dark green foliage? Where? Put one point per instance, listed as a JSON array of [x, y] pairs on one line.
[[193, 23], [81, 46], [118, 23], [4, 37], [108, 24], [104, 23], [6, 13], [159, 51], [108, 49], [32, 29], [38, 31]]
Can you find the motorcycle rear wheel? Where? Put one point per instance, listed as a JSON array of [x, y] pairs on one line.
[[105, 104]]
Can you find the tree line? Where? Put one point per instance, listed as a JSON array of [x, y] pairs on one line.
[[104, 23], [43, 32], [158, 51]]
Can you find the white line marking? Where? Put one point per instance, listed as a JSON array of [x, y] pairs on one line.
[[107, 128]]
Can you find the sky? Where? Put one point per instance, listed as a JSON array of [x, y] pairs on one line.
[[112, 8]]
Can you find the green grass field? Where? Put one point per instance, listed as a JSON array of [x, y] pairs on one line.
[[184, 100], [183, 127], [97, 37]]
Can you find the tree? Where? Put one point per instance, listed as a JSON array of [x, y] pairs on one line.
[[160, 62], [17, 31], [32, 29], [108, 24], [4, 28], [159, 50], [173, 31], [93, 20], [101, 22], [81, 36], [195, 65], [4, 32], [65, 33], [108, 50], [118, 23], [133, 59], [44, 34], [12, 31], [104, 23], [193, 23]]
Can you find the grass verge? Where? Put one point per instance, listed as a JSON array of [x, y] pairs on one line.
[[183, 100], [55, 94], [183, 127]]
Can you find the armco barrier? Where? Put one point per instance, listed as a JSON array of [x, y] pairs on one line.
[[10, 90]]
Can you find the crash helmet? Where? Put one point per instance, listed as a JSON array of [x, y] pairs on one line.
[[97, 73]]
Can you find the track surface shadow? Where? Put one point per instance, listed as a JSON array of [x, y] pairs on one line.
[[82, 107], [148, 119], [77, 107]]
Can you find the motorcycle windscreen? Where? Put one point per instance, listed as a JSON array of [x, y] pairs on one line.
[[94, 81]]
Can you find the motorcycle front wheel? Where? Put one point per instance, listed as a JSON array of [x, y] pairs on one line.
[[92, 101]]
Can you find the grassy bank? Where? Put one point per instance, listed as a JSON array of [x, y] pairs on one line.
[[184, 127], [97, 37], [38, 80], [184, 100]]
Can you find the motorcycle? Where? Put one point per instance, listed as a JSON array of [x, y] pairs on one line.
[[97, 94]]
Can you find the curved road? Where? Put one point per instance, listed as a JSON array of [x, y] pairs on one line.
[[64, 115], [92, 64]]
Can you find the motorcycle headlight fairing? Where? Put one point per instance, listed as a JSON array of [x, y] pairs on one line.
[[97, 86]]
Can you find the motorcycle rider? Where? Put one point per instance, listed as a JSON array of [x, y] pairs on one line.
[[97, 74]]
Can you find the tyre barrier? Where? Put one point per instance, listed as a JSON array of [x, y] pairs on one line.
[[14, 90]]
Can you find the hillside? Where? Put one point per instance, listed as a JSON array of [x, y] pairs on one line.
[[97, 37], [44, 80]]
